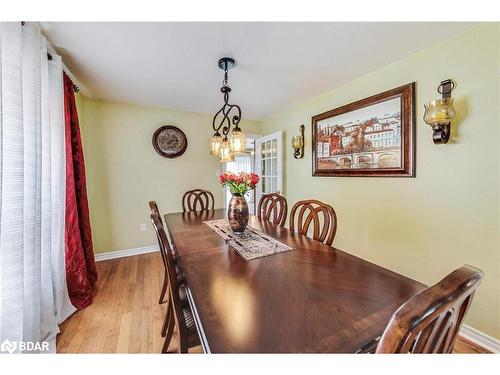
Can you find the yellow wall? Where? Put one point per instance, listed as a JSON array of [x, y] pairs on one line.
[[448, 215], [124, 172]]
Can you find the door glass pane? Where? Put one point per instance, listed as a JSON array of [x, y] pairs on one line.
[[268, 148], [273, 186], [268, 167], [274, 148], [263, 147], [264, 185], [263, 167], [274, 164]]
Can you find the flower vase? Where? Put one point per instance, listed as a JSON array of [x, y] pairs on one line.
[[237, 213]]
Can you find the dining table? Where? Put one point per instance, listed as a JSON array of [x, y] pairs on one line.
[[314, 298]]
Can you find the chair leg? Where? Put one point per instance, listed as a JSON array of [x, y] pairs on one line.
[[183, 346], [166, 321], [163, 289], [169, 334]]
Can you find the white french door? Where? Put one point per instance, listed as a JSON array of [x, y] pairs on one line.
[[269, 163]]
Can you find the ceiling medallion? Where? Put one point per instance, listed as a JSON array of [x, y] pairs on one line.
[[223, 144]]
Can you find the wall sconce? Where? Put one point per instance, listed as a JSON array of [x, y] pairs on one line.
[[439, 113], [298, 144]]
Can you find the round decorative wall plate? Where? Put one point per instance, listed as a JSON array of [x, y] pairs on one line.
[[169, 141]]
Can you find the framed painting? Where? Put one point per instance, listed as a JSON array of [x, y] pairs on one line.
[[371, 137]]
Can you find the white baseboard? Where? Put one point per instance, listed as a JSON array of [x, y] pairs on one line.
[[480, 338], [125, 253]]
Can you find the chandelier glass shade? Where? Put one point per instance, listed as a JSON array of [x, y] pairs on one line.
[[225, 153], [223, 143], [215, 143], [238, 141]]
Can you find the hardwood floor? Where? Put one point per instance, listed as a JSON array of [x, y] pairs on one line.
[[126, 317], [464, 346]]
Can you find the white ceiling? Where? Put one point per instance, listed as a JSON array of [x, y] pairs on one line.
[[174, 65]]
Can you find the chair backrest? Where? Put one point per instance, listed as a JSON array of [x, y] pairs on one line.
[[163, 243], [173, 283], [197, 200], [320, 214], [429, 322], [273, 207], [154, 209]]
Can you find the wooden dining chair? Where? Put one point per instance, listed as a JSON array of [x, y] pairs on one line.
[[197, 200], [179, 315], [430, 321], [155, 211], [164, 246], [177, 299], [273, 207], [320, 214]]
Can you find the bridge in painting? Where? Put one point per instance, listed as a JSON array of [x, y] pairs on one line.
[[374, 159]]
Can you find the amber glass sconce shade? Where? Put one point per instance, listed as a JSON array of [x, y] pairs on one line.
[[439, 113], [298, 144]]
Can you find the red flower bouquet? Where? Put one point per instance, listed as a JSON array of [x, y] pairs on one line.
[[239, 183]]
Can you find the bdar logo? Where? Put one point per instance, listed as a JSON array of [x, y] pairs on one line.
[[8, 346]]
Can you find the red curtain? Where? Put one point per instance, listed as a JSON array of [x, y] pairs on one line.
[[81, 273]]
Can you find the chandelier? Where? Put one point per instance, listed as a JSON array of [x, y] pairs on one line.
[[223, 143]]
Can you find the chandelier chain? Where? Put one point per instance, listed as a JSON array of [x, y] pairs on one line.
[[226, 78]]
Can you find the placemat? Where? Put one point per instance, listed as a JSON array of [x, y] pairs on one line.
[[251, 244]]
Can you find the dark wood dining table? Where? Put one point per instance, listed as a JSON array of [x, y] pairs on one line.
[[312, 299]]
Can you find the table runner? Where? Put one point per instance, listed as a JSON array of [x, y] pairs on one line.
[[250, 245]]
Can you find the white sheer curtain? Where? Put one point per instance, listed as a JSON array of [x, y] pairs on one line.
[[33, 292]]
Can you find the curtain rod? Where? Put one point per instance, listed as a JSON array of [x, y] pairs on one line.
[[65, 68]]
